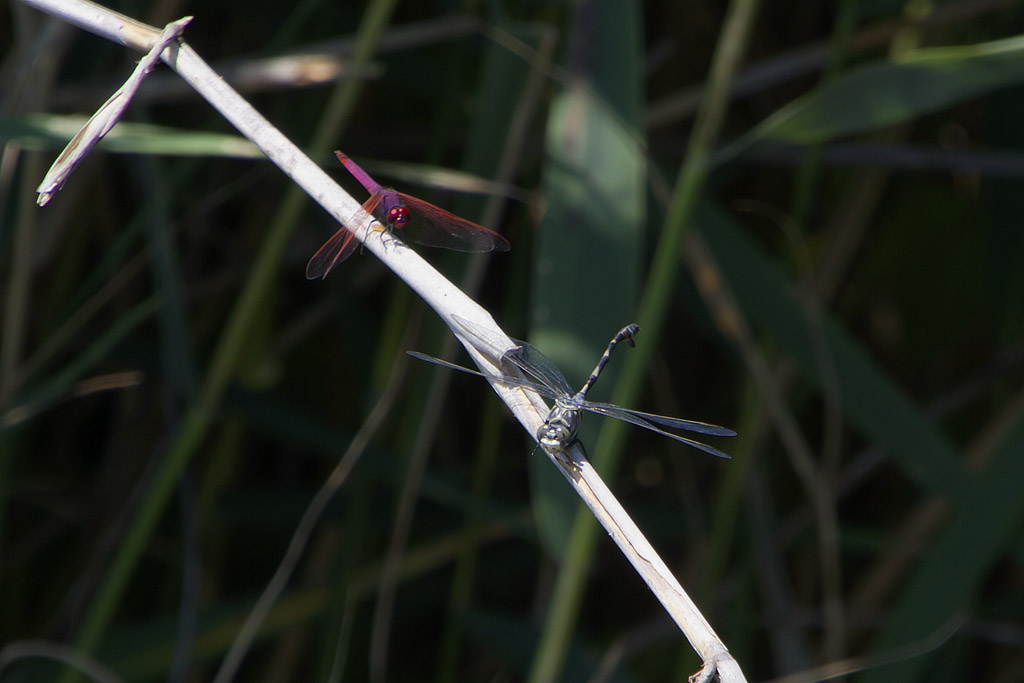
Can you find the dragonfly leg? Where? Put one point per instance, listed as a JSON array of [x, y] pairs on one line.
[[389, 239]]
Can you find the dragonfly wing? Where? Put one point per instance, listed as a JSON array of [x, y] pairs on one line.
[[536, 364], [371, 204], [334, 251], [505, 379], [632, 417], [613, 410], [523, 356], [342, 243], [435, 227]]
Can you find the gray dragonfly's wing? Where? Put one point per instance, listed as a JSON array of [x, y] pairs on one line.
[[523, 356], [504, 379], [612, 410], [536, 364], [648, 420]]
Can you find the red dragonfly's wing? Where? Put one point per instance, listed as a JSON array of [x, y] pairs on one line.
[[339, 247], [335, 250], [435, 227]]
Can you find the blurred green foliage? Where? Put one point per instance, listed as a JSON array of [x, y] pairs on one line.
[[849, 295]]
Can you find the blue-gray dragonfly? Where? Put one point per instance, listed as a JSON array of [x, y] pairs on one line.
[[563, 421]]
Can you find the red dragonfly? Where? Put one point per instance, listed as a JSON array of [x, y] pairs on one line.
[[410, 218]]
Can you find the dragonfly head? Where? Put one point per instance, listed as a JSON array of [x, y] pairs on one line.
[[559, 430], [398, 216]]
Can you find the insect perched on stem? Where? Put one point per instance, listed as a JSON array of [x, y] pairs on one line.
[[562, 424], [406, 217]]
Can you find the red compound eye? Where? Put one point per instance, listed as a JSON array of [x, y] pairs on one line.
[[398, 216]]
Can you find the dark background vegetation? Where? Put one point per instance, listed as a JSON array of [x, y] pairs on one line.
[[849, 296]]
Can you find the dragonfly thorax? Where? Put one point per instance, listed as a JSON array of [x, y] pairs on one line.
[[398, 216], [559, 429]]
